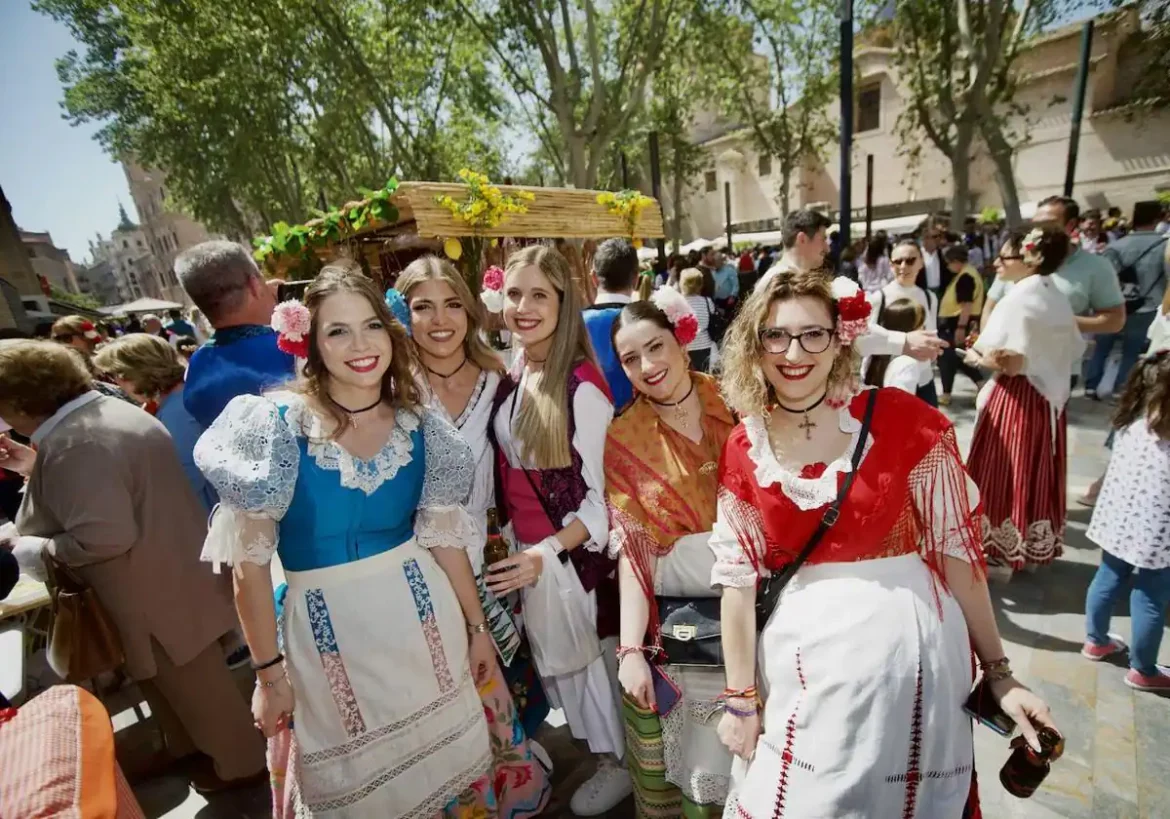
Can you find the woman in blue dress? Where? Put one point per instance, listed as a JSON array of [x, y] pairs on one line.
[[369, 696]]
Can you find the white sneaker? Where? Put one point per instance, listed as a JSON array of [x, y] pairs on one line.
[[602, 791]]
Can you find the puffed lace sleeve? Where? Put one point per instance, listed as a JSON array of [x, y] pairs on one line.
[[442, 518], [737, 538], [250, 456], [946, 503]]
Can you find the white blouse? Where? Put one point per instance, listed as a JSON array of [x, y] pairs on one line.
[[906, 374], [894, 291], [592, 412], [472, 424], [1132, 517]]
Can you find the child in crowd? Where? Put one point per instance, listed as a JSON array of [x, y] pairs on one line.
[[1131, 524], [902, 372]]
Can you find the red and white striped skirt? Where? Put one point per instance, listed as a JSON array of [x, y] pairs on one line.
[[1018, 461]]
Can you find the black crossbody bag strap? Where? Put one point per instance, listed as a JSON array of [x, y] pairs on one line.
[[768, 594]]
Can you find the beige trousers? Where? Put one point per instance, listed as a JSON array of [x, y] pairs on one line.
[[200, 707]]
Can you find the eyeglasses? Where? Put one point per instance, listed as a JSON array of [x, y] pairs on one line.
[[901, 262], [1012, 257], [64, 338], [776, 340]]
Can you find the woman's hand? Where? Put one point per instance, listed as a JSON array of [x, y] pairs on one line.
[[636, 679], [1023, 706], [273, 707], [739, 734], [481, 653], [16, 457], [842, 392], [520, 570]]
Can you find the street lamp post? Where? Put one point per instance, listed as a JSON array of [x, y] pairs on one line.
[[846, 92]]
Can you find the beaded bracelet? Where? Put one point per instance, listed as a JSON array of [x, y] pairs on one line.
[[736, 712], [748, 693], [271, 683], [996, 670], [625, 651]]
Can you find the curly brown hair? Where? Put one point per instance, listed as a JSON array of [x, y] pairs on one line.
[[744, 384], [398, 385], [37, 378], [1147, 394]]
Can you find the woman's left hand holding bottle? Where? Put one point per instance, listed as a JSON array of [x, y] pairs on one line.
[[515, 572]]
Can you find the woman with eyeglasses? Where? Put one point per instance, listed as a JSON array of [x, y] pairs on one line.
[[1019, 451], [866, 658]]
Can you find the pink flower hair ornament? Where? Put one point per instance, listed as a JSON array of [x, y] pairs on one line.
[[492, 293], [680, 315], [292, 323], [853, 310]]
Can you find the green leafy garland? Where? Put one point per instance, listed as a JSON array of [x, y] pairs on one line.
[[299, 241]]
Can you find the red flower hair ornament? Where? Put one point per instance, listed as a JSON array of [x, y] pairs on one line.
[[853, 310], [678, 313]]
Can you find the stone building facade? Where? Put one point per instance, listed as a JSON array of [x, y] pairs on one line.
[[166, 231], [1124, 152]]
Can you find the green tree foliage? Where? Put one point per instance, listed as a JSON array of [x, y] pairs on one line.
[[581, 70], [780, 78], [81, 300], [256, 107], [958, 63]]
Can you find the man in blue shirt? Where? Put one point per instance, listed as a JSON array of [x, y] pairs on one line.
[[615, 267], [178, 325], [241, 357], [726, 281]]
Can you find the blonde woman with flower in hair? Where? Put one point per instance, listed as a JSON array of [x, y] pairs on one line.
[[369, 695], [864, 529], [551, 417], [461, 375], [661, 483], [1019, 450]]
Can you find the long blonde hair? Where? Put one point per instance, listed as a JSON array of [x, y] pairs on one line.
[[542, 424], [745, 387], [432, 268]]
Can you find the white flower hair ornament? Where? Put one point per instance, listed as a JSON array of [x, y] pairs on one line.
[[1030, 249], [292, 322], [853, 310], [492, 293], [678, 313]]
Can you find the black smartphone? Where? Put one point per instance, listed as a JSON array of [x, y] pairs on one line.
[[666, 691], [982, 706]]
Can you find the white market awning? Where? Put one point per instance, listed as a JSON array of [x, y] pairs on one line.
[[141, 306]]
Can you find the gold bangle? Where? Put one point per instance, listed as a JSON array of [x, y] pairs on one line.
[[271, 683], [482, 628]]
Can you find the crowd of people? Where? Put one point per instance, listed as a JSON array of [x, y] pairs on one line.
[[745, 555]]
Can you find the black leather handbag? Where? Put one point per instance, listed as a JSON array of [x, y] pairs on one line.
[[690, 631]]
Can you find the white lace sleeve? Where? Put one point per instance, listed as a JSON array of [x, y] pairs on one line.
[[442, 518], [250, 456], [738, 541]]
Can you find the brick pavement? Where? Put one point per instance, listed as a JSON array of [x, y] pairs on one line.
[[1117, 759]]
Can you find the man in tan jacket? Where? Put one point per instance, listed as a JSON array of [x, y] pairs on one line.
[[107, 497]]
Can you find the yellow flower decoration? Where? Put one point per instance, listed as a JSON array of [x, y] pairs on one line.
[[453, 248], [486, 205], [628, 205]]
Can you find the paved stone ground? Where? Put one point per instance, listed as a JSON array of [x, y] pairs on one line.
[[1117, 760]]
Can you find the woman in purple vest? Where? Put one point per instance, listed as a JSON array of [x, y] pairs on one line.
[[551, 418]]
